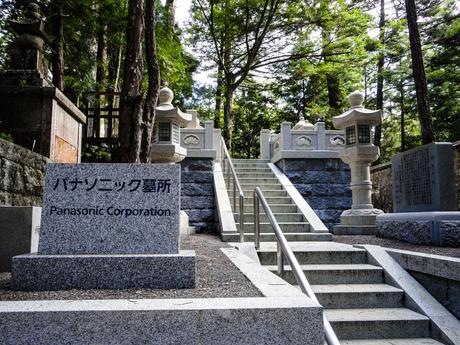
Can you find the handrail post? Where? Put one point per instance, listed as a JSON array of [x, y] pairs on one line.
[[256, 221], [241, 218], [279, 259], [234, 194]]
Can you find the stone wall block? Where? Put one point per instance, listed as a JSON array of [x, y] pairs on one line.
[[15, 179], [34, 181], [197, 193], [200, 215], [197, 165], [196, 189], [448, 232], [197, 202], [340, 189], [22, 175]]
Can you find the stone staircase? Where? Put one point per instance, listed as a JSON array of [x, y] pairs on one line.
[[254, 173], [362, 307]]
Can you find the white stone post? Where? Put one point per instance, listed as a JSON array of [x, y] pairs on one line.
[[264, 144], [321, 135], [195, 123], [285, 136], [359, 153], [208, 135]]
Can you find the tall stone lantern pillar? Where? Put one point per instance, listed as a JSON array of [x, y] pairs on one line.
[[359, 153], [166, 130]]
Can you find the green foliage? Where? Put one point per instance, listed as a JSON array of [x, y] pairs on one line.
[[176, 64], [7, 137]]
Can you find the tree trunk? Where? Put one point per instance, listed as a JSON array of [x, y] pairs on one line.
[[333, 92], [418, 69], [218, 97], [101, 55], [228, 121], [153, 72], [380, 63], [57, 48], [402, 121], [171, 13], [131, 102]]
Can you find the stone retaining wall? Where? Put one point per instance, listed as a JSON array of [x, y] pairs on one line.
[[22, 175], [197, 194], [382, 195], [324, 184]]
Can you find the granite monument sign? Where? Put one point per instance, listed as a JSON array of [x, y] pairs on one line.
[[110, 209], [110, 226]]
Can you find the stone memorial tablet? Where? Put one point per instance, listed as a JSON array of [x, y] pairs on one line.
[[111, 209], [424, 180]]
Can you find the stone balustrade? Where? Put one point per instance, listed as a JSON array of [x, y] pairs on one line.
[[290, 143], [201, 142]]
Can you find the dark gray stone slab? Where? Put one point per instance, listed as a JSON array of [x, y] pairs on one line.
[[61, 272], [424, 179], [18, 232], [426, 228], [110, 209]]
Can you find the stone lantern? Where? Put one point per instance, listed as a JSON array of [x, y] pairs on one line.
[[359, 153], [166, 131]]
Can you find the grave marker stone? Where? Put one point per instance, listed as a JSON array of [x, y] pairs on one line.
[[424, 179], [424, 198]]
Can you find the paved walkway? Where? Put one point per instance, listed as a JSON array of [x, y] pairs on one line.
[[216, 277], [355, 239]]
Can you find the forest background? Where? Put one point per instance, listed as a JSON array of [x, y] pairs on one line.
[[264, 61]]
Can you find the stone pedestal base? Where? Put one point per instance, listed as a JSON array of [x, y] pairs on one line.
[[60, 272], [357, 222], [354, 230], [426, 228]]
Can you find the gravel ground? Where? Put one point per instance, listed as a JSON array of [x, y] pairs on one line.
[[216, 276], [384, 242]]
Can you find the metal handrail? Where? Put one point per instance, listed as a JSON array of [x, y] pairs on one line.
[[236, 184], [284, 251]]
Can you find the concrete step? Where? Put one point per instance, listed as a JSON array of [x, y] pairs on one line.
[[242, 170], [250, 165], [336, 274], [258, 180], [276, 208], [349, 296], [306, 236], [403, 341], [250, 160], [267, 174], [285, 227], [280, 217], [249, 187], [378, 323], [270, 199], [267, 193], [317, 253]]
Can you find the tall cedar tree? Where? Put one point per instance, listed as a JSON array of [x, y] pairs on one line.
[[137, 110], [418, 69]]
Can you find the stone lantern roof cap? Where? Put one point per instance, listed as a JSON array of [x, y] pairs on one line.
[[166, 111], [357, 113]]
